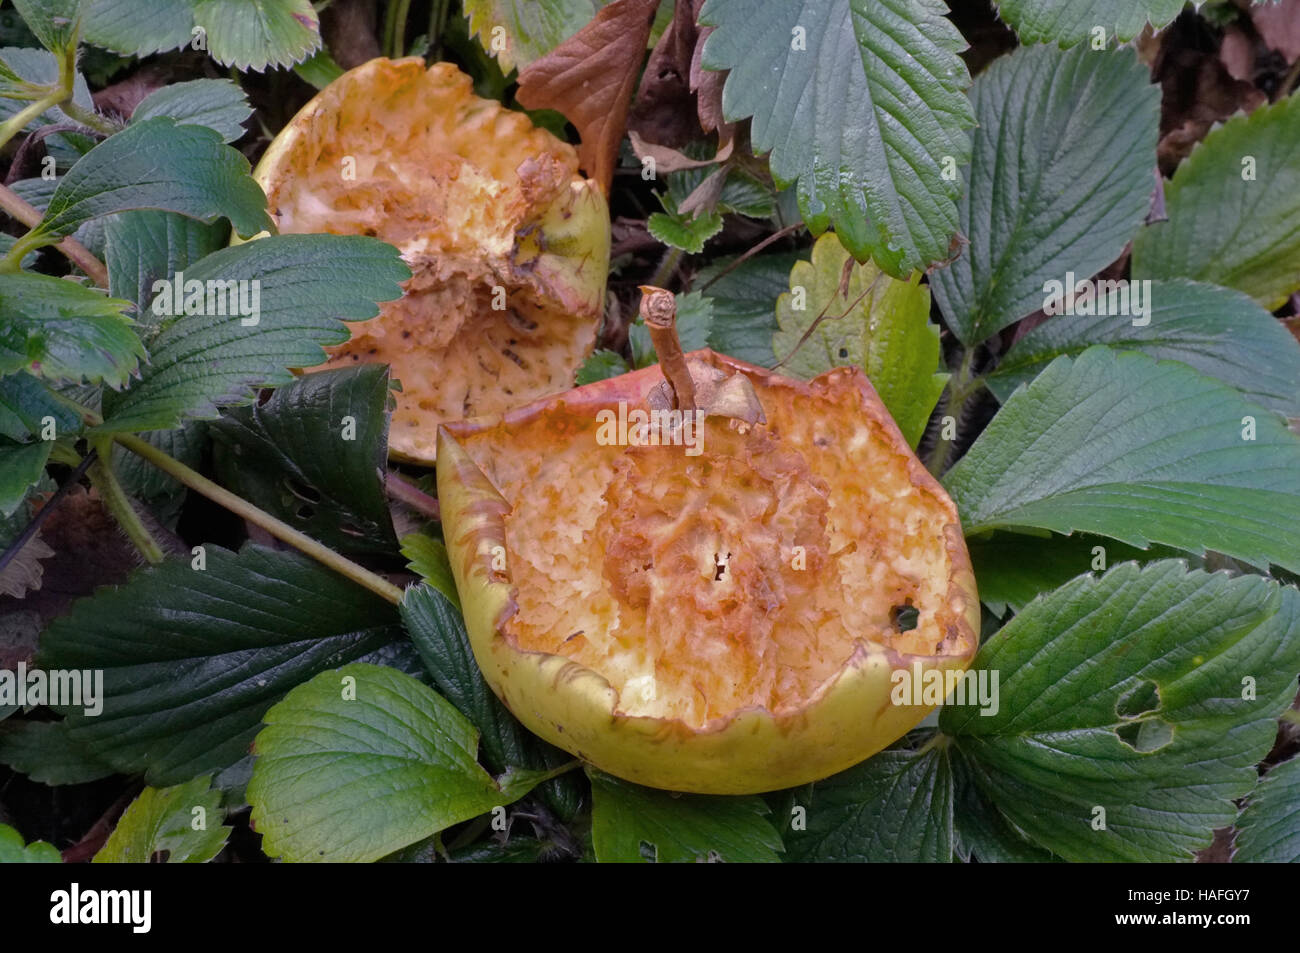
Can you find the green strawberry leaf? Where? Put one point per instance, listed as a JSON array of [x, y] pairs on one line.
[[1068, 22], [314, 455], [1270, 822], [427, 558], [687, 232], [46, 753], [218, 104], [1013, 568], [1234, 209], [895, 807], [1218, 331], [320, 69], [306, 286], [876, 322], [193, 657], [63, 331], [1119, 444], [56, 23], [601, 365], [14, 851], [860, 102], [980, 830], [518, 32], [362, 761], [144, 247], [159, 164], [632, 824], [21, 465], [1132, 709], [435, 625], [140, 29], [25, 403], [744, 304], [438, 631], [255, 34], [178, 825], [1060, 181]]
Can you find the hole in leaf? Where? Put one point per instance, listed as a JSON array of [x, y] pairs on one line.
[[904, 618], [844, 353], [1138, 700], [720, 566], [1145, 736], [302, 490], [649, 852], [160, 856]]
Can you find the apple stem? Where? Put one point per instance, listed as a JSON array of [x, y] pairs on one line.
[[659, 311]]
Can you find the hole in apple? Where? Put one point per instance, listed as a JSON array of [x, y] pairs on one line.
[[904, 618]]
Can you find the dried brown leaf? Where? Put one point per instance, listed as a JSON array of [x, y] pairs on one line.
[[1279, 27], [1237, 53], [707, 86], [664, 110], [23, 574], [668, 159], [590, 78]]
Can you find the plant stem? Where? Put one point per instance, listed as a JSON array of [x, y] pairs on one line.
[[667, 267], [961, 390], [280, 530], [437, 23], [553, 773], [119, 505], [395, 27], [57, 95], [18, 122], [88, 118], [774, 237], [34, 525], [13, 205], [412, 496], [659, 311], [937, 740]]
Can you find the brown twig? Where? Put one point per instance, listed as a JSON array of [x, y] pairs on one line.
[[771, 239], [412, 496], [33, 526], [822, 316], [659, 311]]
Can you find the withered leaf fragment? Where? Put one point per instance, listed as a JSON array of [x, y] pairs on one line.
[[591, 77]]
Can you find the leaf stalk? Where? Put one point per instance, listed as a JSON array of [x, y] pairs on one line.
[[280, 530]]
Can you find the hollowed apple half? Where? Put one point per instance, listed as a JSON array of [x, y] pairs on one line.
[[508, 244], [722, 622]]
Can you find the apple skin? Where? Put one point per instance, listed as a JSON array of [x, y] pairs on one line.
[[848, 719]]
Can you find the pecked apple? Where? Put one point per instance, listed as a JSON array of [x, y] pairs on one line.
[[724, 621]]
